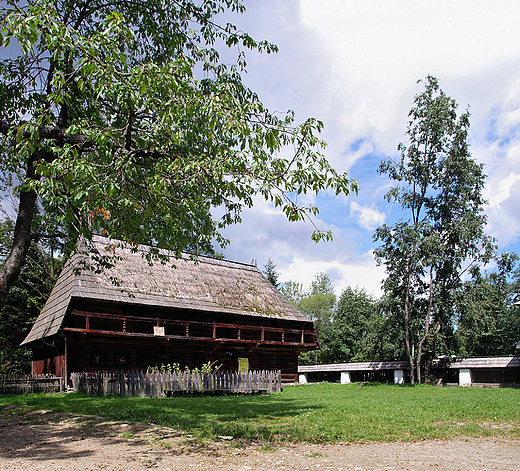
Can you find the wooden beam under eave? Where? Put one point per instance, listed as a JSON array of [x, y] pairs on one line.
[[182, 337]]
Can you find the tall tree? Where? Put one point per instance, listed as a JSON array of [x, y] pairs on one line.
[[119, 118], [293, 292], [25, 299], [440, 185], [343, 339], [270, 273], [318, 304]]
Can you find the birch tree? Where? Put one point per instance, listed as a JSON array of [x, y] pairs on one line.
[[439, 186]]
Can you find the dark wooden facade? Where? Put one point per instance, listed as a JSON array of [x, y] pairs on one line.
[[234, 318]]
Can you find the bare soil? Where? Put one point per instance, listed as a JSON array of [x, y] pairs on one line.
[[51, 441]]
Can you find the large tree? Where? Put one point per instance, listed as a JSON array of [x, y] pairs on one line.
[[440, 186], [119, 118], [344, 338], [318, 304], [487, 320], [25, 299]]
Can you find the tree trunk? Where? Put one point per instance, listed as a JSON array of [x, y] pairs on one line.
[[426, 329], [409, 352], [21, 238]]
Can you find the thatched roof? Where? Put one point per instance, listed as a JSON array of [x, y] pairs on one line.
[[209, 285]]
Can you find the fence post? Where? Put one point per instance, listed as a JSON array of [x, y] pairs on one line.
[[122, 386]]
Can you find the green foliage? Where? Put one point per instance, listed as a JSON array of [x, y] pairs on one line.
[[440, 186], [209, 367], [317, 304], [321, 413], [270, 273], [356, 332], [24, 302], [293, 292], [488, 323], [136, 129]]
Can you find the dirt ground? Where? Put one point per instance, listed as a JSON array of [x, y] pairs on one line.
[[49, 441]]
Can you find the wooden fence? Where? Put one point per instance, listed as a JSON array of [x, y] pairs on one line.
[[157, 384], [13, 384]]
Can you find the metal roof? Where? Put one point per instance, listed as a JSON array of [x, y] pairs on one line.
[[355, 366], [486, 362], [469, 363]]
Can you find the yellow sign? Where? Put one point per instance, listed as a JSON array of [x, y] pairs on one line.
[[243, 364]]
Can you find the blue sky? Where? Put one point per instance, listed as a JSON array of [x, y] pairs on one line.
[[354, 64]]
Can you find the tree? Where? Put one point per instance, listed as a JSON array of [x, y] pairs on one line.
[[271, 274], [488, 322], [360, 330], [344, 337], [118, 118], [441, 186], [318, 305], [24, 301], [293, 292]]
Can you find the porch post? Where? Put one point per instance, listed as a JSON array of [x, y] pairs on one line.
[[345, 377], [398, 376]]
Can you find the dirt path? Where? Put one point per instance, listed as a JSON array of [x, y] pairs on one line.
[[45, 441]]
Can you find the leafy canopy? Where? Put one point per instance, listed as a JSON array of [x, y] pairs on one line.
[[136, 130], [440, 187]]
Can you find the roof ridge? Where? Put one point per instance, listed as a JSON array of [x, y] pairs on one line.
[[185, 255]]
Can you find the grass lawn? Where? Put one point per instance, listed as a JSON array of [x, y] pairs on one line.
[[313, 413]]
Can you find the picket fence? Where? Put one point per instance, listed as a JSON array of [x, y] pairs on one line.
[[15, 384], [158, 384]]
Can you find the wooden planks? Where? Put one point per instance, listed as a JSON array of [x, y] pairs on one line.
[[158, 384]]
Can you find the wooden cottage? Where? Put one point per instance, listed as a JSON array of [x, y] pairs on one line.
[[137, 315]]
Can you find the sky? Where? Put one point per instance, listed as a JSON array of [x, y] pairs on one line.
[[354, 64]]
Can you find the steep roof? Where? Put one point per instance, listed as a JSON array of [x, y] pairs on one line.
[[208, 284]]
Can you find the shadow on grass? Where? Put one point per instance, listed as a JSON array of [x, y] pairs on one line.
[[250, 417], [32, 434]]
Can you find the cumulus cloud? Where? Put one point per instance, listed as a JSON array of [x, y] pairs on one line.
[[355, 65], [367, 217]]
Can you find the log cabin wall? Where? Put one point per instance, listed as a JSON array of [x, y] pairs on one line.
[[49, 359], [96, 352], [117, 336]]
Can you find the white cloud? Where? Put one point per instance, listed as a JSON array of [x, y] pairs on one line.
[[354, 64], [377, 50], [265, 234], [363, 275], [368, 217], [503, 191]]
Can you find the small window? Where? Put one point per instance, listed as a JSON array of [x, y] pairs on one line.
[[97, 357], [264, 362], [121, 358]]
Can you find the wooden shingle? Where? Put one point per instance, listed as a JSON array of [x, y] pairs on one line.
[[206, 285]]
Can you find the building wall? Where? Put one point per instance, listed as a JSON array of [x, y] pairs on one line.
[[101, 352], [49, 359]]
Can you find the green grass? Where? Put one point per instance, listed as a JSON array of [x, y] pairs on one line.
[[313, 413]]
